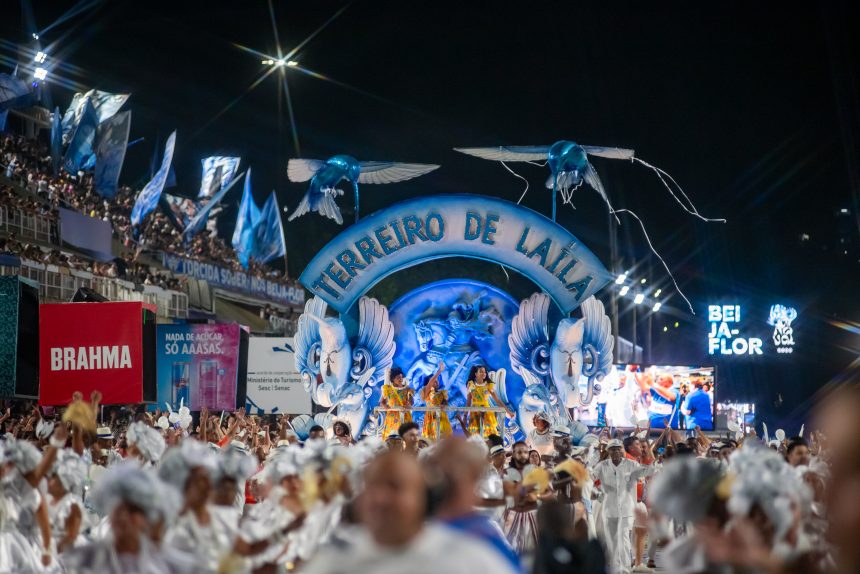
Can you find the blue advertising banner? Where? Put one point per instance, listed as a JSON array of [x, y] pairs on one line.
[[198, 365], [234, 280], [147, 199], [479, 227]]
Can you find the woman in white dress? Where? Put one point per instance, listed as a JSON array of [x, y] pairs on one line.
[[65, 506]]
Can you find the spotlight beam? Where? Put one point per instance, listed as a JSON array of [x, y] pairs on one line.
[[233, 102]]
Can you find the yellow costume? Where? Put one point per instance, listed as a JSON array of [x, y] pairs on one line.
[[396, 397], [481, 398], [436, 424]]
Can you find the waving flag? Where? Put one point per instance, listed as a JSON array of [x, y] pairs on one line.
[[199, 218], [14, 93], [105, 104], [246, 221], [218, 171], [147, 199], [269, 233], [80, 150], [56, 141], [111, 142]]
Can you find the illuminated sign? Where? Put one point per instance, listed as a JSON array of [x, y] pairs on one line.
[[783, 334], [725, 337]]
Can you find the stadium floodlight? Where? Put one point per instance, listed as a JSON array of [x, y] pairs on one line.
[[643, 281], [657, 306], [624, 290], [621, 279], [292, 63], [40, 57], [657, 292], [40, 74], [639, 298], [35, 36]]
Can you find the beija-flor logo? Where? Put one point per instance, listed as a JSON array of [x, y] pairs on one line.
[[781, 318]]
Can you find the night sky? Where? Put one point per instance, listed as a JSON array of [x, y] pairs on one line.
[[752, 107]]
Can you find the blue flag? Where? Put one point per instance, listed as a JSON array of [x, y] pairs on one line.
[[246, 221], [111, 142], [218, 171], [199, 220], [14, 93], [147, 199], [56, 141], [269, 233], [105, 104], [81, 146]]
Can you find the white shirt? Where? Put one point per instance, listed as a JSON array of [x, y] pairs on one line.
[[514, 475], [618, 483], [436, 549], [541, 442]]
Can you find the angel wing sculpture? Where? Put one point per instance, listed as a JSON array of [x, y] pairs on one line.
[[552, 370], [339, 373]]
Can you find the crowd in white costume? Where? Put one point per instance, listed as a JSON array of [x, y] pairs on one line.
[[332, 505]]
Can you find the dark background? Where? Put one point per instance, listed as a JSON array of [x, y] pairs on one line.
[[751, 106]]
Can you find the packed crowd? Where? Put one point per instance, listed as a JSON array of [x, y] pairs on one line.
[[181, 492], [28, 163]]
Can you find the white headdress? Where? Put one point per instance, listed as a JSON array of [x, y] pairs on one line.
[[764, 479], [685, 488], [235, 464], [24, 455], [127, 482], [147, 440], [178, 463], [71, 470]]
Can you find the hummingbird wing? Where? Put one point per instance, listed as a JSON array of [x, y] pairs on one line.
[[591, 178], [507, 153], [390, 171], [303, 169], [610, 152], [321, 202]]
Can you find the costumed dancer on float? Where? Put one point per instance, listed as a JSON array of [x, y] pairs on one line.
[[481, 390], [436, 425], [396, 393]]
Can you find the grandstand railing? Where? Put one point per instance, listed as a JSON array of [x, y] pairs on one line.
[[60, 284], [468, 411], [281, 325], [26, 225]]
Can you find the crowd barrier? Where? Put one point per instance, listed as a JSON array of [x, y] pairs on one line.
[[59, 284], [500, 415], [283, 326], [27, 225]]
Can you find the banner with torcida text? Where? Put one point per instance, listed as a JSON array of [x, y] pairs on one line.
[[198, 365], [91, 346], [274, 382]]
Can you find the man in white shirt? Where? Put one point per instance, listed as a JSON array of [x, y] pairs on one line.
[[396, 539], [618, 477]]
